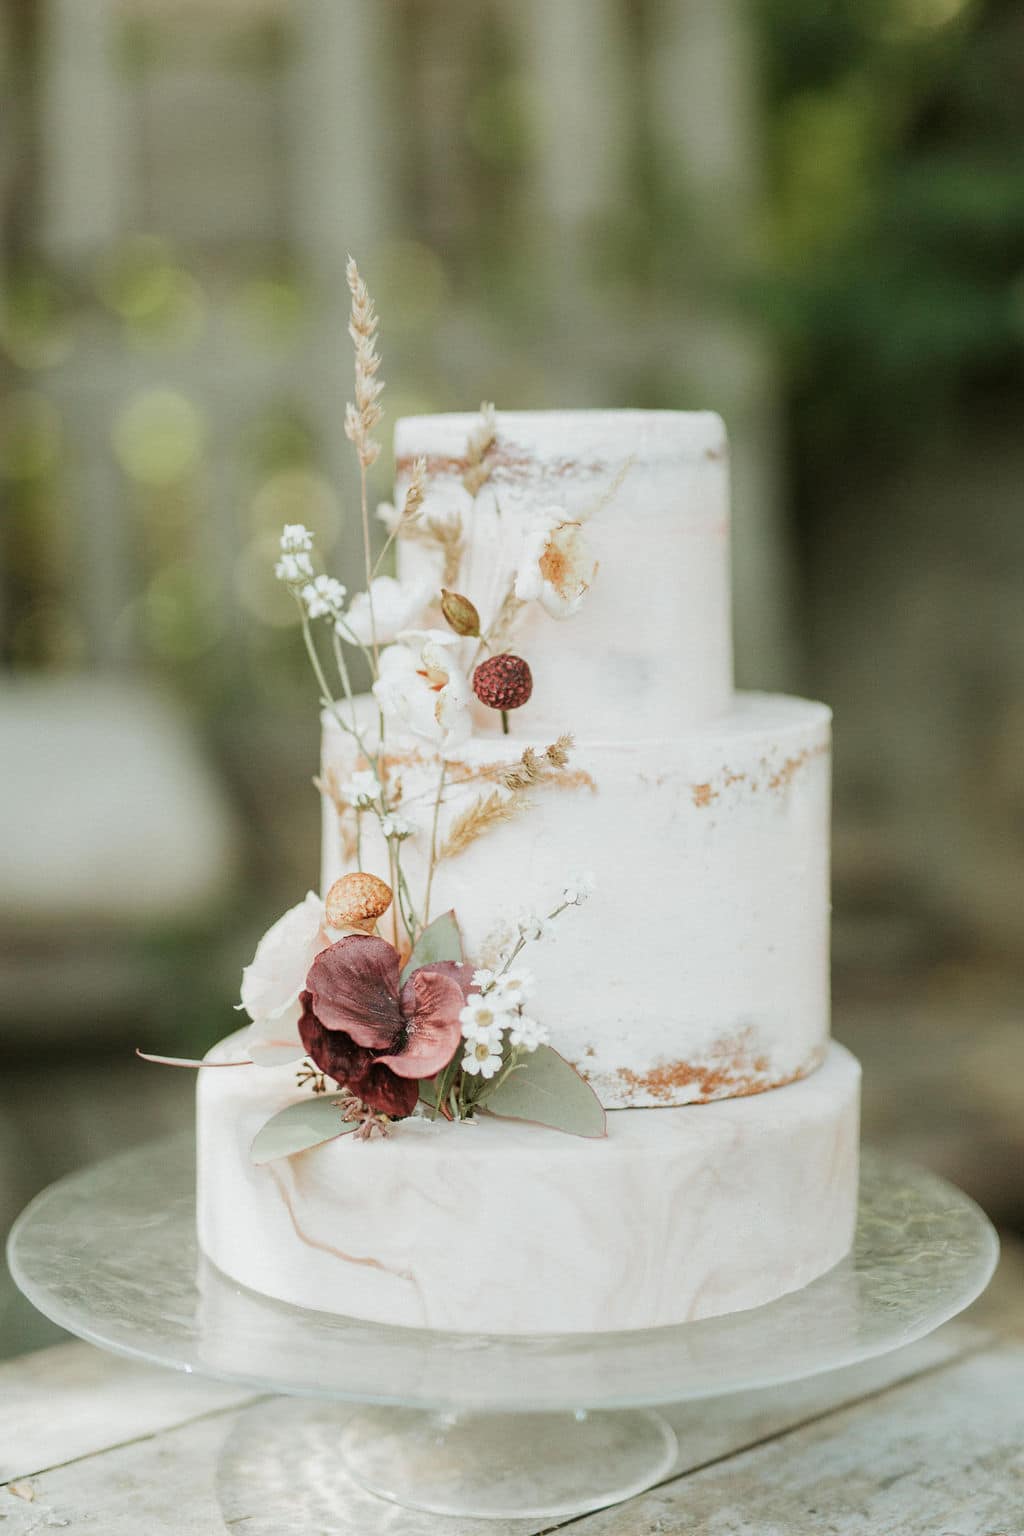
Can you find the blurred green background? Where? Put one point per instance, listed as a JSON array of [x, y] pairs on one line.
[[806, 214]]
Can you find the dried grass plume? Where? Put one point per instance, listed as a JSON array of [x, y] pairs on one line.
[[479, 444], [490, 810], [362, 417]]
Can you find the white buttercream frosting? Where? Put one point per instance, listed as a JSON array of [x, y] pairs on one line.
[[696, 971], [699, 967], [648, 650]]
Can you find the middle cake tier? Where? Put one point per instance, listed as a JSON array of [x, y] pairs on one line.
[[699, 968]]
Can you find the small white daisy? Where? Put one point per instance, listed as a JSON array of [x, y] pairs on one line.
[[397, 827], [294, 569], [527, 1033], [484, 980], [514, 987], [323, 596], [296, 539], [578, 888], [482, 1058], [362, 789], [483, 1017]]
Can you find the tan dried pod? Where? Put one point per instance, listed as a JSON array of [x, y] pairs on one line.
[[357, 900], [460, 612]]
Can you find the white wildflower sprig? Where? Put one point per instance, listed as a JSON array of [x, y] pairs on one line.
[[361, 790], [295, 566], [484, 1017], [482, 1058], [514, 987], [296, 539], [532, 926], [526, 1034], [324, 597], [497, 1031], [396, 827], [579, 888]]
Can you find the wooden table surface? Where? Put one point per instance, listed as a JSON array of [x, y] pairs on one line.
[[926, 1442]]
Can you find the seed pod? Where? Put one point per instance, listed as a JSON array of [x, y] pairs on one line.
[[357, 900], [503, 682], [460, 613]]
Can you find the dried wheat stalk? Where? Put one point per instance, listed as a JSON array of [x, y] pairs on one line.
[[442, 531], [509, 611], [365, 414], [417, 489], [532, 768], [488, 811], [501, 805], [479, 444]]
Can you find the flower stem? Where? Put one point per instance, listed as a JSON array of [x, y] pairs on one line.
[[412, 923], [521, 942], [368, 558], [393, 882], [504, 722], [433, 841], [327, 698], [342, 666]]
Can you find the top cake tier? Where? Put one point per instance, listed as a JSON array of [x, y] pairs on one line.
[[649, 652]]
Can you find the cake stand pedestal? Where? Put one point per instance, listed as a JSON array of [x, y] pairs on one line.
[[475, 1424]]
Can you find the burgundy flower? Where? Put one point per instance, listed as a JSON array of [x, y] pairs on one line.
[[369, 1033]]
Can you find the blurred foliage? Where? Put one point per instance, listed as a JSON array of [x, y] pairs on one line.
[[888, 263], [895, 215]]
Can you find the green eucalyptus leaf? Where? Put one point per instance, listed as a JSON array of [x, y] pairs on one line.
[[440, 940], [305, 1124], [544, 1088], [428, 1093]]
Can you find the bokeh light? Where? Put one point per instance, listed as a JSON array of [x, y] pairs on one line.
[[158, 437], [30, 435]]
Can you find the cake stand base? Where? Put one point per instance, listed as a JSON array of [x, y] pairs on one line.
[[465, 1424], [503, 1465]]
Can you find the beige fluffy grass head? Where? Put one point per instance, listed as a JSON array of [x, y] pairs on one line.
[[357, 900]]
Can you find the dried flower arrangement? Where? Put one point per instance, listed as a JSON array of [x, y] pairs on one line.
[[407, 1025]]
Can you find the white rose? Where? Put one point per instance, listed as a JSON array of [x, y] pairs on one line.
[[271, 983]]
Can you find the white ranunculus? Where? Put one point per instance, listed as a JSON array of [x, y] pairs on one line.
[[555, 567], [396, 606], [271, 983], [422, 686]]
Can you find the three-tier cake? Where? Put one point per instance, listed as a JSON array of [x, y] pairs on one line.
[[553, 689]]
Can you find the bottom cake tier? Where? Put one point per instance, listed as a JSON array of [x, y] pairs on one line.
[[503, 1227]]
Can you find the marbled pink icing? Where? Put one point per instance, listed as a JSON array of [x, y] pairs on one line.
[[509, 1228]]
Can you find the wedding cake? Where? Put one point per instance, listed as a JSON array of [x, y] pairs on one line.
[[481, 1091]]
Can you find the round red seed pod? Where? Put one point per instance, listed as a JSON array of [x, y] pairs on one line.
[[503, 682]]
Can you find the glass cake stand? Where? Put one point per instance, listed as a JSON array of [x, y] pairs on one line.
[[478, 1424]]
